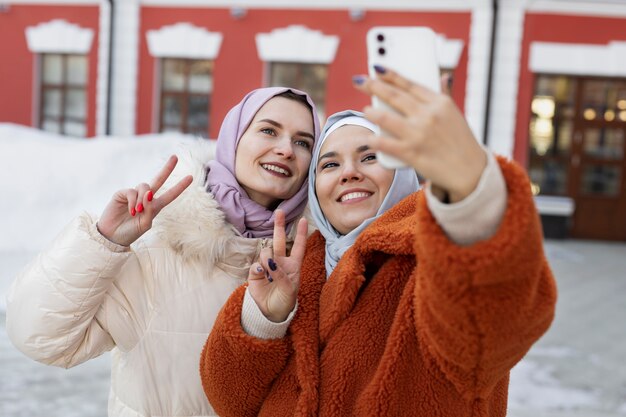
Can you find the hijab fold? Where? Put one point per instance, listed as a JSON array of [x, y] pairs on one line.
[[248, 217], [404, 183]]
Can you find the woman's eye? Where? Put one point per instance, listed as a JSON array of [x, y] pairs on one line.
[[370, 157], [330, 165], [268, 131], [305, 144]]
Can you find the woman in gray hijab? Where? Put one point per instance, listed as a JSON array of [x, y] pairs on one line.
[[406, 302]]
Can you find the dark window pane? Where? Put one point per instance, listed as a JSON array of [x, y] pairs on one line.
[[52, 102], [549, 175], [73, 128], [172, 110], [173, 75], [52, 72], [604, 143], [51, 125], [76, 103], [601, 180], [200, 77], [198, 113], [76, 70]]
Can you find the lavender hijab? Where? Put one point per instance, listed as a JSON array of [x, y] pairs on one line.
[[249, 218], [404, 183]]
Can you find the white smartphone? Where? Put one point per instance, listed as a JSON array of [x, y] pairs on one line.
[[411, 52]]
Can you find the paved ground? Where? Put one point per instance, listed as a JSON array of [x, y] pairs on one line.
[[578, 369]]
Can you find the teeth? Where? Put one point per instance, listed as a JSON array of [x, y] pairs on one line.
[[351, 196], [275, 169]]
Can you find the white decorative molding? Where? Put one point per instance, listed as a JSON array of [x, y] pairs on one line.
[[478, 70], [184, 40], [125, 68], [448, 51], [54, 2], [426, 5], [504, 91], [578, 59], [296, 43], [102, 85], [602, 8], [59, 36]]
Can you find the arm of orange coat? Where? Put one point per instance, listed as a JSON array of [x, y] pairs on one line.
[[480, 308], [237, 370]]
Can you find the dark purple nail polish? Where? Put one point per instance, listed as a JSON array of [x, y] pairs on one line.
[[358, 79], [272, 264], [269, 278], [380, 69], [259, 269]]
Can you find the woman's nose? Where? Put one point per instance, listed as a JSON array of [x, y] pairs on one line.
[[284, 148], [350, 173]]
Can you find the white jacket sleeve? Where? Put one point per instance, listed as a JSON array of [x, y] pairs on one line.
[[76, 299]]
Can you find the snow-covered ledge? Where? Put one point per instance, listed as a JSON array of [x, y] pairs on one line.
[[448, 51], [579, 59], [297, 43], [59, 36], [184, 40]]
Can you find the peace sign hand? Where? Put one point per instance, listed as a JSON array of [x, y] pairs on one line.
[[131, 211], [273, 282]]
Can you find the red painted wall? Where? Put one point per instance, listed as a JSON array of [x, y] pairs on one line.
[[555, 28], [17, 62], [238, 69]]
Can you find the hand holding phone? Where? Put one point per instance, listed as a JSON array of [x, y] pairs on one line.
[[411, 52]]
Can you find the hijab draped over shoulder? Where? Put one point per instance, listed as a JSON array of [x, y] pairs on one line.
[[249, 218], [404, 183]]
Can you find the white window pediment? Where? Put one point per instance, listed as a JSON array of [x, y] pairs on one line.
[[184, 40], [578, 59], [297, 43], [448, 51], [59, 36]]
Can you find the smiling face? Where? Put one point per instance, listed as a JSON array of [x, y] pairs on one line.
[[274, 153], [350, 184]]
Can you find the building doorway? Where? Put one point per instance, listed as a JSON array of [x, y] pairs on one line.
[[577, 139]]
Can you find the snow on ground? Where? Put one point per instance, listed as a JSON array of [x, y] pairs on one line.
[[46, 180]]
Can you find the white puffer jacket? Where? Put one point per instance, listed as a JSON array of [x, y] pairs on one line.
[[153, 304]]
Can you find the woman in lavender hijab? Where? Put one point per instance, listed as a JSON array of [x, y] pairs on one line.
[[147, 277]]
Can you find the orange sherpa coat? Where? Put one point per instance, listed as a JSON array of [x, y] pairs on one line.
[[408, 324]]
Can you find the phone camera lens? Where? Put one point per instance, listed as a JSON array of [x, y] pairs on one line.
[[381, 51], [380, 37]]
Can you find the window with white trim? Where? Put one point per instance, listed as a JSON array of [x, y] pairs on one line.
[[64, 94], [186, 89]]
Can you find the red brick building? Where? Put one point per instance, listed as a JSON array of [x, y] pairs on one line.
[[541, 81]]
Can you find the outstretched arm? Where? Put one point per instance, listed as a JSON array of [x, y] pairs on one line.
[[479, 307]]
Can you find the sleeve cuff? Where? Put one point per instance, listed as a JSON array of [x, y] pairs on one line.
[[478, 216], [256, 324]]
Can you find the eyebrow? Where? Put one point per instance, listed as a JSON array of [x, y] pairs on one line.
[[333, 154], [278, 125]]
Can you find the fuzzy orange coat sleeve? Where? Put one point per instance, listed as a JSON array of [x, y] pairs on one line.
[[479, 308], [237, 370]]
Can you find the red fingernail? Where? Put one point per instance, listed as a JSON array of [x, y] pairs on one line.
[[139, 208], [150, 195], [133, 212]]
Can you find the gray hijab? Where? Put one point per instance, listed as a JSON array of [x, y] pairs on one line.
[[404, 183]]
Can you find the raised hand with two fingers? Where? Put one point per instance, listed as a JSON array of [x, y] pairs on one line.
[[131, 211], [427, 131], [274, 281]]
